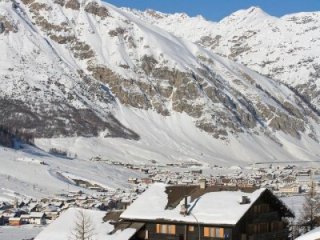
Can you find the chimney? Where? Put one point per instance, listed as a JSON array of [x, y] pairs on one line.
[[184, 207], [245, 200], [203, 183]]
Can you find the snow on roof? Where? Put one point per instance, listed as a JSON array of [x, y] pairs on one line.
[[61, 228], [312, 235], [211, 208], [36, 214]]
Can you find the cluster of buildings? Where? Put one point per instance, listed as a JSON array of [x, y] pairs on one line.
[[43, 211], [24, 212], [282, 180]]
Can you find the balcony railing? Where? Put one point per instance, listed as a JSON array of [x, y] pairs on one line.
[[271, 235], [157, 236], [164, 236]]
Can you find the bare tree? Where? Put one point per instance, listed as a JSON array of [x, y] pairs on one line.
[[310, 211], [83, 227]]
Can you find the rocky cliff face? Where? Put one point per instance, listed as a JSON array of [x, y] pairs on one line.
[[286, 49], [69, 64]]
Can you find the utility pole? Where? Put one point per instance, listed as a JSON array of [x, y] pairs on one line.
[[199, 228]]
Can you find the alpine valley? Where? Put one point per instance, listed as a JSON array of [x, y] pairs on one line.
[[93, 80]]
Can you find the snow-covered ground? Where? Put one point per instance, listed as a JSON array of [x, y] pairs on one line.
[[19, 233], [63, 227], [21, 179]]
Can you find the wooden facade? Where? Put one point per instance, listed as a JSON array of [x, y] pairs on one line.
[[15, 221]]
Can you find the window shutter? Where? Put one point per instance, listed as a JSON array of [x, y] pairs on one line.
[[206, 232], [164, 228], [172, 229], [221, 232]]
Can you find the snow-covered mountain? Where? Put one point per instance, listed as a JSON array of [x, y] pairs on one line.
[[286, 48], [73, 70]]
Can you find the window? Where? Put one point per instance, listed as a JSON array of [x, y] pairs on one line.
[[258, 228], [277, 226], [172, 229], [163, 228], [264, 227], [213, 232], [166, 229], [191, 228], [262, 208]]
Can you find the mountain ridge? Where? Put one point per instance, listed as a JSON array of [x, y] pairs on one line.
[[72, 66], [285, 48]]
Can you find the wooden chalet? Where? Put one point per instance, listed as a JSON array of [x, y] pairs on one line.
[[15, 221], [207, 212]]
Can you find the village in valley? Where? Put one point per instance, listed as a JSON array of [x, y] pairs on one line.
[[287, 182]]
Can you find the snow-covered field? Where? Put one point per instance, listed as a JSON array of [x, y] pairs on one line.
[[19, 233], [63, 227], [21, 179]]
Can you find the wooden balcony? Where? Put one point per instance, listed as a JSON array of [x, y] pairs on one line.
[[283, 234], [266, 217], [156, 236]]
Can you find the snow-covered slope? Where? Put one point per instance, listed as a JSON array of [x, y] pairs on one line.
[[174, 139], [33, 173], [286, 48], [93, 79]]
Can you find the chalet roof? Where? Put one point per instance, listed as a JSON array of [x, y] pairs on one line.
[[207, 206]]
